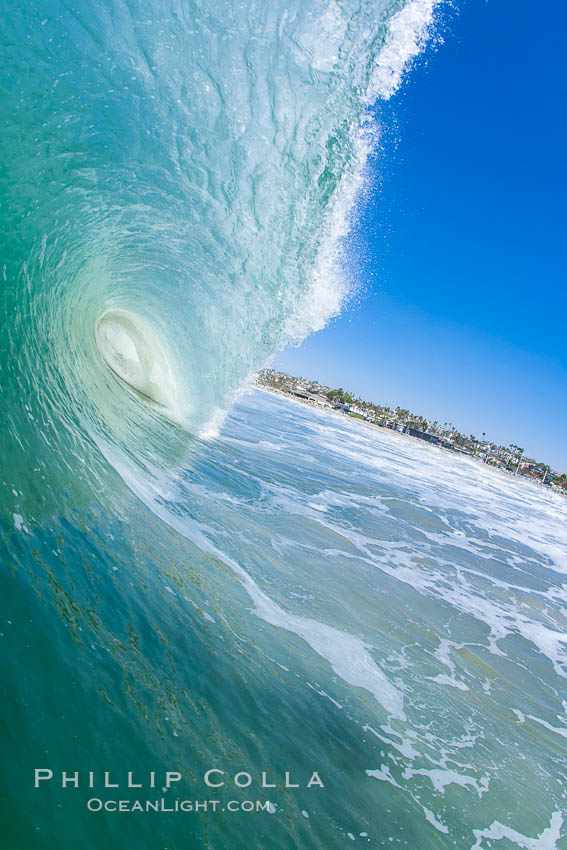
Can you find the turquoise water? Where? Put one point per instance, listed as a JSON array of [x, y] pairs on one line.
[[189, 585], [304, 594], [179, 174]]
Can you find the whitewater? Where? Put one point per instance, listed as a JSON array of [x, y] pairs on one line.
[[198, 575]]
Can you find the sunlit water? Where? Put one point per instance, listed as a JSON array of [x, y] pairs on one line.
[[302, 594]]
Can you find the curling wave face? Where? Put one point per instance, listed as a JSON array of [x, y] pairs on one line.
[[177, 178]]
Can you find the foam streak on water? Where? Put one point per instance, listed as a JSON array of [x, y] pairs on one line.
[[303, 593], [474, 561]]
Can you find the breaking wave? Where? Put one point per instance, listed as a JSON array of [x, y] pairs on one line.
[[177, 180]]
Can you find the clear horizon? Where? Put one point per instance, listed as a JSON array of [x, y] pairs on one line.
[[458, 254]]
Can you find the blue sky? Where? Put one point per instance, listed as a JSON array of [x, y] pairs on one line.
[[460, 249]]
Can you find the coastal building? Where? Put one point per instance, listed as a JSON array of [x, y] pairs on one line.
[[507, 458], [423, 435]]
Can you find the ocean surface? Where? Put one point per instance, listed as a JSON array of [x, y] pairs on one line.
[[196, 579], [303, 593]]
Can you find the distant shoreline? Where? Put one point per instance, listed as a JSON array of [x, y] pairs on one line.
[[329, 410]]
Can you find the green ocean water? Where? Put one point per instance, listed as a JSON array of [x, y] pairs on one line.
[[298, 599], [187, 585]]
